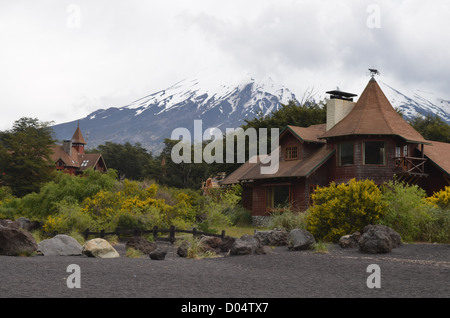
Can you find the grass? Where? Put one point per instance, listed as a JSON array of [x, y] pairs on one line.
[[238, 231], [321, 247], [134, 253]]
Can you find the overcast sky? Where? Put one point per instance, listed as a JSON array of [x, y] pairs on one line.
[[61, 60]]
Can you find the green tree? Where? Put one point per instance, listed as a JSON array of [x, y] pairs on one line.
[[302, 115], [431, 127], [25, 156], [130, 161]]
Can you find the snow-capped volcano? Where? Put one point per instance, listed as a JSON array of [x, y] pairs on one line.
[[217, 101], [417, 102], [232, 95]]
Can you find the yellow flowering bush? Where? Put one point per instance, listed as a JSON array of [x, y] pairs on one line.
[[342, 209], [440, 199], [137, 207]]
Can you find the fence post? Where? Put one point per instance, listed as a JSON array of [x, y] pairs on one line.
[[222, 236], [86, 234], [102, 233], [155, 233], [194, 232], [172, 234]]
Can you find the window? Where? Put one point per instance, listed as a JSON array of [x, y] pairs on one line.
[[374, 153], [277, 197], [291, 153], [346, 154], [405, 151]]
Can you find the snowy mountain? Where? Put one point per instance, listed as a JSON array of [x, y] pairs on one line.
[[417, 102], [218, 102]]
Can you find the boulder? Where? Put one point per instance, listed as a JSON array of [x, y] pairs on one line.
[[99, 248], [158, 254], [377, 239], [141, 244], [273, 238], [246, 245], [350, 241], [60, 245], [15, 242], [24, 223], [300, 239], [10, 224], [182, 250], [211, 243], [227, 243]]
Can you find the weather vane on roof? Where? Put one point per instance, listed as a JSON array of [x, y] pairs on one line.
[[373, 72]]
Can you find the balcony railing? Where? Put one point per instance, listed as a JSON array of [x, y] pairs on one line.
[[410, 165]]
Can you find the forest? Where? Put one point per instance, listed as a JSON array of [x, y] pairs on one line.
[[142, 190]]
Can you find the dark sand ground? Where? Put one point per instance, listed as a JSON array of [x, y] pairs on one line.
[[411, 270]]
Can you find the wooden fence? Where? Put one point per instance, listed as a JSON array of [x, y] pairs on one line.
[[138, 232]]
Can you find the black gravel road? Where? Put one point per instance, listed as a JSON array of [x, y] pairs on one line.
[[409, 271]]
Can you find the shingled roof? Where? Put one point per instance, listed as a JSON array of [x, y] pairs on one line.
[[78, 138], [373, 114], [439, 153]]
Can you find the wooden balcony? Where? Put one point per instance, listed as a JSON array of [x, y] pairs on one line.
[[410, 169]]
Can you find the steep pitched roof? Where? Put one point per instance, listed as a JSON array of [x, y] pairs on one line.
[[287, 169], [439, 153], [373, 114], [310, 134], [77, 137], [69, 161]]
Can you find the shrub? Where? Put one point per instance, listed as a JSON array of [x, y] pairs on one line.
[[441, 198], [137, 207], [287, 220], [68, 218], [343, 209], [407, 209], [437, 228]]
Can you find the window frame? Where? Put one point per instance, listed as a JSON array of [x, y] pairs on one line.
[[270, 192], [290, 147], [339, 154], [384, 163]]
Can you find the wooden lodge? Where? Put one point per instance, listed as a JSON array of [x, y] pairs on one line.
[[366, 139], [71, 158]]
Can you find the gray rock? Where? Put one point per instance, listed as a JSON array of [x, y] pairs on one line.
[[182, 250], [211, 243], [60, 245], [227, 243], [273, 237], [158, 254], [246, 245], [350, 241], [378, 239], [300, 239], [14, 242], [24, 223]]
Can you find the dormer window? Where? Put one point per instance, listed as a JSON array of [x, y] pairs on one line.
[[291, 153]]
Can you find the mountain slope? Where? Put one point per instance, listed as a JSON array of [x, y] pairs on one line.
[[151, 119], [218, 102], [417, 102]]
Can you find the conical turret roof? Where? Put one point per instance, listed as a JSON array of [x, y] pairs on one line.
[[77, 137], [373, 114]]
